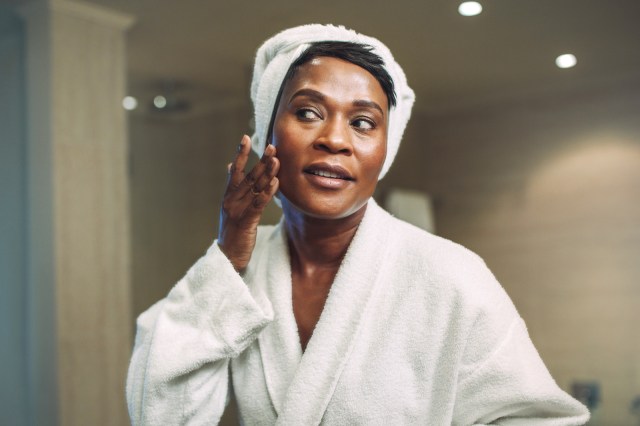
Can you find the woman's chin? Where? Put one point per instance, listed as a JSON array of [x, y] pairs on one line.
[[327, 207]]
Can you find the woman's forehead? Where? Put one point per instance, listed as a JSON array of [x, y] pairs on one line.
[[339, 79]]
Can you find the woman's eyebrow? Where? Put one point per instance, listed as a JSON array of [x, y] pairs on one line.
[[314, 94], [367, 104]]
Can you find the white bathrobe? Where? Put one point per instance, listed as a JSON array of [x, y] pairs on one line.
[[415, 331]]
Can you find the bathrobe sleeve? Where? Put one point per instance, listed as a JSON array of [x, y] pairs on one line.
[[179, 368], [513, 387], [501, 379]]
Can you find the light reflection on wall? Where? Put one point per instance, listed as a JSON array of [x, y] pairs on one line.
[[598, 174], [587, 198]]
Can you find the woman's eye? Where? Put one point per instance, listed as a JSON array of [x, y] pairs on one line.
[[306, 114], [363, 124]]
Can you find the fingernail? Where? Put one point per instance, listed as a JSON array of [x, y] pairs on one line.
[[269, 149]]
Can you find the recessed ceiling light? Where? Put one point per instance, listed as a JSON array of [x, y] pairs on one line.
[[160, 102], [566, 61], [470, 8], [129, 103]]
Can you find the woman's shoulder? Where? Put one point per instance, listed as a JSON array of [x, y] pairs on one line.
[[433, 250], [441, 263]]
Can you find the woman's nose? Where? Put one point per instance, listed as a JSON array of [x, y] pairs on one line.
[[335, 137]]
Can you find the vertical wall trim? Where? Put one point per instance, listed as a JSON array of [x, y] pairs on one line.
[[79, 304]]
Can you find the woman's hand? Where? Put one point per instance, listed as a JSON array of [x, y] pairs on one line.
[[244, 200]]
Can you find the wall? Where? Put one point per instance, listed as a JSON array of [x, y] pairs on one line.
[[548, 193], [13, 306]]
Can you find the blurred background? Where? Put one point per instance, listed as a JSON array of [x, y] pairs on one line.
[[525, 159]]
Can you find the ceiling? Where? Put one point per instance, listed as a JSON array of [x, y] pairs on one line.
[[452, 62]]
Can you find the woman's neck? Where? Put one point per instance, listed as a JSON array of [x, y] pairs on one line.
[[316, 243]]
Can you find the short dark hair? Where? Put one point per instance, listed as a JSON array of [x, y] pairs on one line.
[[358, 54]]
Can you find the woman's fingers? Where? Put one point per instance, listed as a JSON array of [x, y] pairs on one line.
[[236, 170], [244, 201], [263, 189], [271, 170], [261, 200], [247, 193], [254, 181]]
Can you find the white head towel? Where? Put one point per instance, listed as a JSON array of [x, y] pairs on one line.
[[277, 54]]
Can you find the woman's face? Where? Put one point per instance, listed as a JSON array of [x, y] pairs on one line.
[[330, 132]]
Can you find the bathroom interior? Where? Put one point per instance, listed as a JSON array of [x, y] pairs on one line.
[[118, 118]]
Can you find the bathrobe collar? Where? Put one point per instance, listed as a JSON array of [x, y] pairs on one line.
[[300, 385]]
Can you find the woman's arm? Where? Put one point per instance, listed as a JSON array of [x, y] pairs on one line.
[[179, 368]]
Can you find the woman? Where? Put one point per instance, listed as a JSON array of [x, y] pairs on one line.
[[341, 314]]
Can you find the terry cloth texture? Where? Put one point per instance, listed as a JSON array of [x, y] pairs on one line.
[[415, 331], [277, 54]]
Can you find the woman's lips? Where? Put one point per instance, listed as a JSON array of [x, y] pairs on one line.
[[329, 176]]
